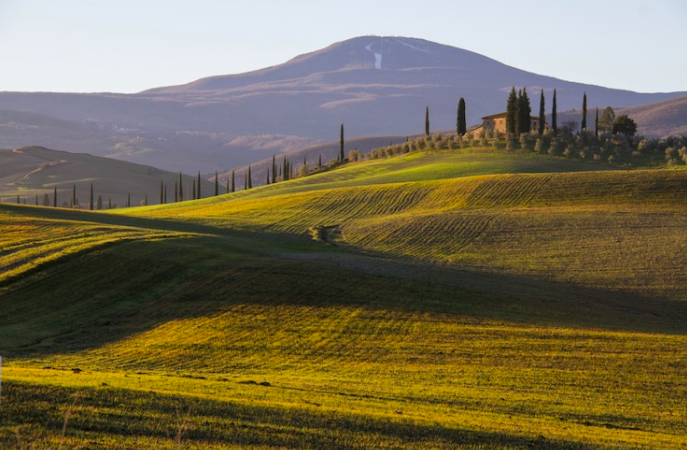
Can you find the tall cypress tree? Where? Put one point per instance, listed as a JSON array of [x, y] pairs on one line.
[[461, 125], [584, 112], [341, 145], [274, 169], [54, 194], [162, 192], [268, 177], [596, 123], [216, 184], [73, 196], [512, 112], [181, 188], [90, 203], [165, 192], [554, 115], [128, 199], [427, 121], [524, 112], [542, 113], [250, 178], [233, 185], [198, 188], [319, 161]]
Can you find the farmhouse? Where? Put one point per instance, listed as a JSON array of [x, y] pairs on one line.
[[497, 123]]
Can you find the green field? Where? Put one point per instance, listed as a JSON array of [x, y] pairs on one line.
[[436, 300]]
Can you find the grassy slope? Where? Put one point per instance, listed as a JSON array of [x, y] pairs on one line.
[[496, 347]]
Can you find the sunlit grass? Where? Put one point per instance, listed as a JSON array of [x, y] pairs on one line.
[[513, 311]]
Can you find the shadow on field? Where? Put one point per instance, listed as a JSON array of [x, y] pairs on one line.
[[116, 415], [102, 296]]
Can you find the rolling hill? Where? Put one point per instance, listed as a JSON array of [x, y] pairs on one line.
[[436, 299], [32, 172], [378, 86]]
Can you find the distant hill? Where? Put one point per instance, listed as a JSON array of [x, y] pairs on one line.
[[654, 120], [377, 86], [31, 172]]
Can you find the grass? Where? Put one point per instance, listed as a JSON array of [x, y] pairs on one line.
[[221, 324]]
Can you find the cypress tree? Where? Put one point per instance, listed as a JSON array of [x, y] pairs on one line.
[[227, 182], [198, 188], [162, 195], [99, 204], [90, 203], [542, 114], [233, 185], [128, 199], [341, 144], [512, 112], [461, 124], [145, 200], [73, 196], [250, 178], [216, 184], [165, 191], [596, 123], [109, 202], [427, 121], [181, 188], [524, 112], [319, 161], [554, 114], [274, 169], [46, 199], [268, 177], [584, 112], [54, 194]]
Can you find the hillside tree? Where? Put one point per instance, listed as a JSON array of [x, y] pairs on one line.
[[607, 120], [427, 121], [274, 169], [46, 200], [162, 192], [99, 203], [583, 125], [461, 124], [181, 188], [596, 123], [625, 125], [198, 188], [512, 112], [233, 184], [90, 201], [54, 198], [524, 112], [554, 115], [216, 184], [341, 147], [542, 113]]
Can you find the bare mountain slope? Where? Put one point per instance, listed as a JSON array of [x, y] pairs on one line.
[[375, 85]]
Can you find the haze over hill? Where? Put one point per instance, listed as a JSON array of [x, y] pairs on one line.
[[375, 85]]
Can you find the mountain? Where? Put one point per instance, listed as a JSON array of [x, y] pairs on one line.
[[377, 86], [31, 172]]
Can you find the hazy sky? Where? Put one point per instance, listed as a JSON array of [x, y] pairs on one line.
[[132, 45]]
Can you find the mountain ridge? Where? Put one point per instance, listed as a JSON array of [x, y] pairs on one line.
[[225, 121]]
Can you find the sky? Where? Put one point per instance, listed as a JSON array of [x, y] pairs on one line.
[[127, 46]]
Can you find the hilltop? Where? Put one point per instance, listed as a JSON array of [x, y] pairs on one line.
[[378, 86]]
